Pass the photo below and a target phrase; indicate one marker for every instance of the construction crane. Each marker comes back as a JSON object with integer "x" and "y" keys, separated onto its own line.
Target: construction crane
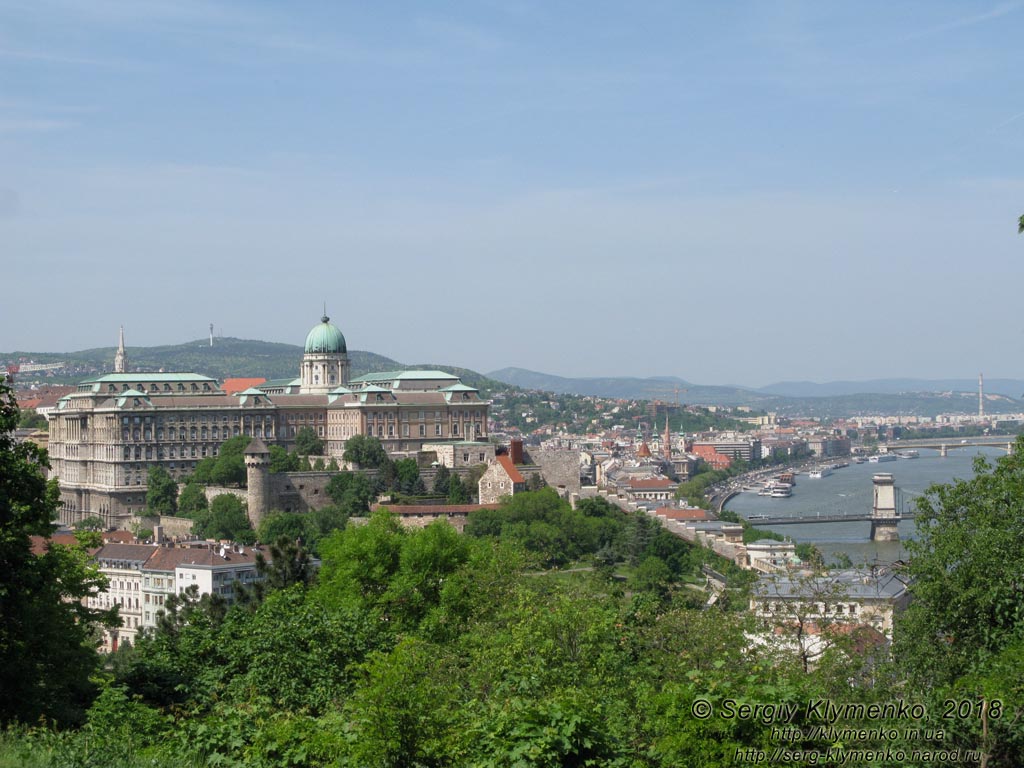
{"x": 652, "y": 409}
{"x": 674, "y": 392}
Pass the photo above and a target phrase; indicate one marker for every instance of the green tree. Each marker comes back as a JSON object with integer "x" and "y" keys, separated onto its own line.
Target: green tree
{"x": 810, "y": 554}
{"x": 442, "y": 479}
{"x": 45, "y": 657}
{"x": 359, "y": 562}
{"x": 225, "y": 519}
{"x": 307, "y": 443}
{"x": 365, "y": 452}
{"x": 226, "y": 468}
{"x": 283, "y": 461}
{"x": 91, "y": 523}
{"x": 192, "y": 499}
{"x": 351, "y": 492}
{"x": 31, "y": 420}
{"x": 967, "y": 575}
{"x": 161, "y": 491}
{"x": 289, "y": 565}
{"x": 1020, "y": 226}
{"x": 277, "y": 525}
{"x": 652, "y": 575}
{"x": 457, "y": 493}
{"x": 407, "y": 474}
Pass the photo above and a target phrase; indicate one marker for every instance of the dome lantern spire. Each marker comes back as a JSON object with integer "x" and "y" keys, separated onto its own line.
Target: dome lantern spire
{"x": 325, "y": 358}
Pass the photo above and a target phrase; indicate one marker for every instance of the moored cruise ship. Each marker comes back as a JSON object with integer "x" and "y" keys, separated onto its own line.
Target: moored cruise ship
{"x": 881, "y": 458}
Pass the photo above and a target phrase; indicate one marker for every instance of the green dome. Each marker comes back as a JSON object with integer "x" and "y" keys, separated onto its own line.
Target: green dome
{"x": 325, "y": 337}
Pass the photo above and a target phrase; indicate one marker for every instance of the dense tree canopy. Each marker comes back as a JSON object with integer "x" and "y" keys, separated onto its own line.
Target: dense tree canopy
{"x": 227, "y": 467}
{"x": 161, "y": 491}
{"x": 45, "y": 655}
{"x": 225, "y": 519}
{"x": 192, "y": 499}
{"x": 426, "y": 647}
{"x": 351, "y": 492}
{"x": 308, "y": 443}
{"x": 365, "y": 452}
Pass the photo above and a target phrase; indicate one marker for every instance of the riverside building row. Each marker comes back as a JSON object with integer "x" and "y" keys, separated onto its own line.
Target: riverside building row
{"x": 104, "y": 436}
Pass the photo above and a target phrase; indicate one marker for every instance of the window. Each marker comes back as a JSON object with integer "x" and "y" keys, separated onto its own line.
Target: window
{"x": 423, "y": 430}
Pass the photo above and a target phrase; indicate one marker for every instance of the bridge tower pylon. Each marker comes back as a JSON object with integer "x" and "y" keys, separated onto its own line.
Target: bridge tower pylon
{"x": 885, "y": 514}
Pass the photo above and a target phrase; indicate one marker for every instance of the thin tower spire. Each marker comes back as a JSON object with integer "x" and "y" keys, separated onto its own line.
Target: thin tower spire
{"x": 121, "y": 356}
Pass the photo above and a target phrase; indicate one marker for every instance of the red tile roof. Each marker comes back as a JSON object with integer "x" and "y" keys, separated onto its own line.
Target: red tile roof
{"x": 510, "y": 469}
{"x": 673, "y": 513}
{"x": 231, "y": 386}
{"x": 40, "y": 543}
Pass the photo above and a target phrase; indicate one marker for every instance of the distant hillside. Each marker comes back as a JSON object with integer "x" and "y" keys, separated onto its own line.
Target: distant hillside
{"x": 904, "y": 403}
{"x": 653, "y": 388}
{"x": 909, "y": 397}
{"x": 227, "y": 358}
{"x": 1009, "y": 387}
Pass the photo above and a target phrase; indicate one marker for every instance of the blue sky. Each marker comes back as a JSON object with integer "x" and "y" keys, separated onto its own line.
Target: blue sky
{"x": 729, "y": 192}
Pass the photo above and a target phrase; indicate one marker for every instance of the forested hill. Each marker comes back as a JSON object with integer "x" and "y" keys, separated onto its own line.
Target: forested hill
{"x": 227, "y": 358}
{"x": 633, "y": 388}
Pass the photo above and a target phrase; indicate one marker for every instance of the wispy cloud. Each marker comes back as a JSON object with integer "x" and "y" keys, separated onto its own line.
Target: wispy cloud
{"x": 54, "y": 57}
{"x": 998, "y": 11}
{"x": 459, "y": 34}
{"x": 32, "y": 125}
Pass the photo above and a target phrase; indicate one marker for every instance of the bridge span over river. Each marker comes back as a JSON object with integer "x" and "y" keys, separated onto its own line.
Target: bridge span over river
{"x": 945, "y": 444}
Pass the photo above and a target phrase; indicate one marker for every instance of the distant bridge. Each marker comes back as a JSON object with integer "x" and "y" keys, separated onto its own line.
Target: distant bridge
{"x": 942, "y": 445}
{"x": 803, "y": 519}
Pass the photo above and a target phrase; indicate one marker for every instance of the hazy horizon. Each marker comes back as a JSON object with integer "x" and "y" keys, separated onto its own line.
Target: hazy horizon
{"x": 202, "y": 342}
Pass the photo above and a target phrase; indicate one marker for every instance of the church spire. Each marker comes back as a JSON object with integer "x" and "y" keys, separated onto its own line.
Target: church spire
{"x": 121, "y": 358}
{"x": 666, "y": 448}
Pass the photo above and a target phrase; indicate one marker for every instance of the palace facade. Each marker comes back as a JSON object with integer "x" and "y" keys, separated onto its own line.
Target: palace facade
{"x": 106, "y": 435}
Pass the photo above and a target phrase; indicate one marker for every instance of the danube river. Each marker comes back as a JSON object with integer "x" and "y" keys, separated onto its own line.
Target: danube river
{"x": 849, "y": 491}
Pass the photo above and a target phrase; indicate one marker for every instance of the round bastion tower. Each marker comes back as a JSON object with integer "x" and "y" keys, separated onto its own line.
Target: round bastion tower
{"x": 257, "y": 472}
{"x": 324, "y": 360}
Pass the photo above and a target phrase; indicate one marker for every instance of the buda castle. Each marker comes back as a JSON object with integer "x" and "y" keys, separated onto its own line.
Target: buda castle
{"x": 106, "y": 435}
